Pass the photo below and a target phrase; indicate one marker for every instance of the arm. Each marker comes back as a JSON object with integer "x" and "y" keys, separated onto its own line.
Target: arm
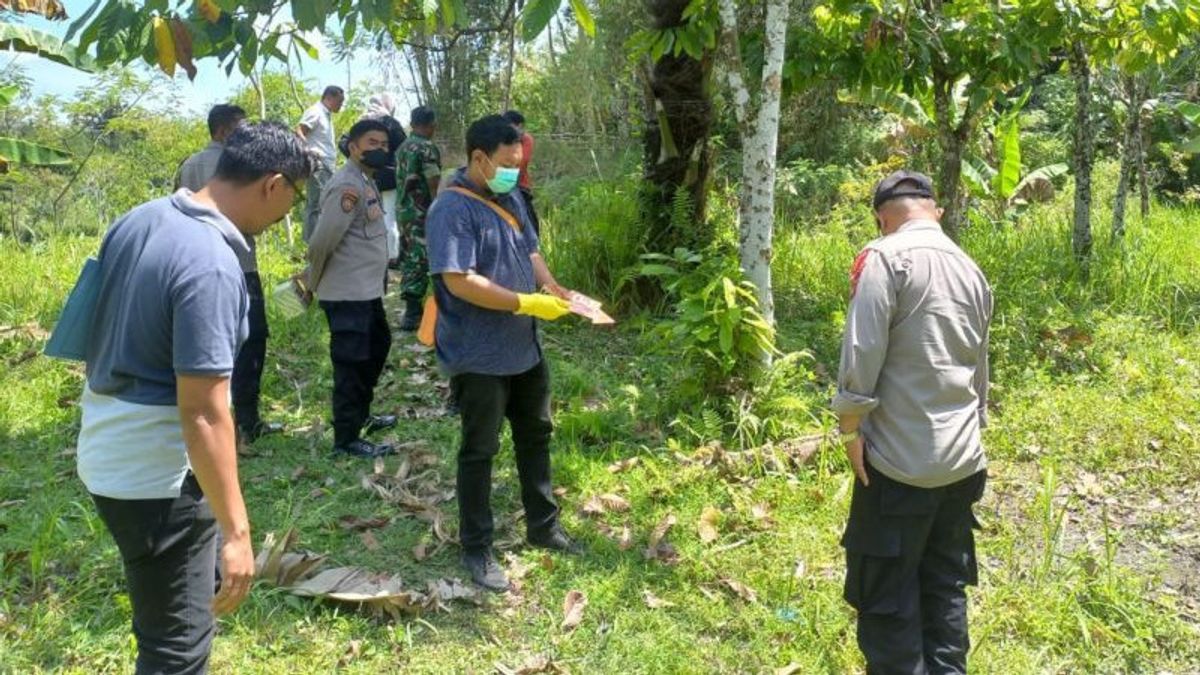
{"x": 982, "y": 376}
{"x": 302, "y": 130}
{"x": 480, "y": 291}
{"x": 332, "y": 224}
{"x": 208, "y": 432}
{"x": 433, "y": 171}
{"x": 864, "y": 349}
{"x": 545, "y": 279}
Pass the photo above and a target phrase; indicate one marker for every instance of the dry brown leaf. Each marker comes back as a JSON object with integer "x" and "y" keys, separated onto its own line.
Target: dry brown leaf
{"x": 538, "y": 663}
{"x": 741, "y": 590}
{"x": 573, "y": 605}
{"x": 600, "y": 504}
{"x": 420, "y": 551}
{"x": 560, "y": 491}
{"x": 298, "y": 473}
{"x": 661, "y": 529}
{"x": 349, "y": 522}
{"x": 710, "y": 517}
{"x": 547, "y": 562}
{"x": 655, "y": 602}
{"x": 369, "y": 540}
{"x": 625, "y": 539}
{"x": 789, "y": 669}
{"x": 352, "y": 652}
{"x": 624, "y": 465}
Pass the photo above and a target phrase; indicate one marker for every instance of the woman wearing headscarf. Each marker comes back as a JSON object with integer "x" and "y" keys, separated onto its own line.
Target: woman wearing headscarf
{"x": 383, "y": 108}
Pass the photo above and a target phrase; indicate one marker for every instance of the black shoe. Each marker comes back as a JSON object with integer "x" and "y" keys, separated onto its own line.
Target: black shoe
{"x": 367, "y": 449}
{"x": 413, "y": 311}
{"x": 485, "y": 571}
{"x": 253, "y": 432}
{"x": 379, "y": 423}
{"x": 555, "y": 539}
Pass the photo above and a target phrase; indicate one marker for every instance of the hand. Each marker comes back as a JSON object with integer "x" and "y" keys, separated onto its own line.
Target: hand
{"x": 300, "y": 281}
{"x": 854, "y": 452}
{"x": 554, "y": 288}
{"x": 237, "y": 574}
{"x": 542, "y": 306}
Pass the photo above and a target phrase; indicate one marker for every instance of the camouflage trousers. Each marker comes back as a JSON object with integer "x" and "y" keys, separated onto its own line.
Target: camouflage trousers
{"x": 414, "y": 263}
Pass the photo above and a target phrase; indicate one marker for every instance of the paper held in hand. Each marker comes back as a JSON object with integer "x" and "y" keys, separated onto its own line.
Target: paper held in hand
{"x": 589, "y": 309}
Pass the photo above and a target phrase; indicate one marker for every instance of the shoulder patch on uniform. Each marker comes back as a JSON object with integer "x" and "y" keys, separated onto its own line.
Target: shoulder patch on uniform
{"x": 349, "y": 199}
{"x": 860, "y": 261}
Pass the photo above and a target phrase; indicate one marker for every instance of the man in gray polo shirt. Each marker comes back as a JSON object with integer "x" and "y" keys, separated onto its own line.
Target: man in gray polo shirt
{"x": 156, "y": 442}
{"x": 912, "y": 397}
{"x": 486, "y": 267}
{"x": 246, "y": 384}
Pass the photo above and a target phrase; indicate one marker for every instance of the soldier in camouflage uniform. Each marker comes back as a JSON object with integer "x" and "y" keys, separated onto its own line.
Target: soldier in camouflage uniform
{"x": 418, "y": 168}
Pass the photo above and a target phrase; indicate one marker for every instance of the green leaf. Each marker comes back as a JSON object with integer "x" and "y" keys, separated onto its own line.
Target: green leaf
{"x": 1191, "y": 146}
{"x": 17, "y": 151}
{"x": 583, "y": 17}
{"x": 726, "y": 337}
{"x": 1008, "y": 173}
{"x": 897, "y": 103}
{"x": 8, "y": 93}
{"x": 79, "y": 23}
{"x": 536, "y": 17}
{"x": 306, "y": 46}
{"x": 46, "y": 46}
{"x": 1189, "y": 110}
{"x": 730, "y": 292}
{"x": 429, "y": 8}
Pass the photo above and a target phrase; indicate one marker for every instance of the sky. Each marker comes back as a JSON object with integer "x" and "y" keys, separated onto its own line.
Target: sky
{"x": 210, "y": 86}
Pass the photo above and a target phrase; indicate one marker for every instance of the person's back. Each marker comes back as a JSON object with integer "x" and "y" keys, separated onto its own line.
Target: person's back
{"x": 925, "y": 430}
{"x": 172, "y": 297}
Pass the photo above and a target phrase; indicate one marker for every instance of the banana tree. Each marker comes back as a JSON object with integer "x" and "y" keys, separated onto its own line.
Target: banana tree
{"x": 43, "y": 45}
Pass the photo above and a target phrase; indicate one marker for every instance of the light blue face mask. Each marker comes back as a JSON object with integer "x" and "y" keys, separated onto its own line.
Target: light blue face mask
{"x": 505, "y": 179}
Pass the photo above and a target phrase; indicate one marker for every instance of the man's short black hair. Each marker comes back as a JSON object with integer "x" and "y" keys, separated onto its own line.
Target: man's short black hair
{"x": 333, "y": 91}
{"x": 364, "y": 126}
{"x": 422, "y": 116}
{"x": 514, "y": 117}
{"x": 489, "y": 133}
{"x": 223, "y": 115}
{"x": 263, "y": 148}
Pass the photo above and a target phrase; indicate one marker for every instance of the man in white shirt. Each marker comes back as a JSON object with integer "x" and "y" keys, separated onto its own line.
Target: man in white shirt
{"x": 316, "y": 128}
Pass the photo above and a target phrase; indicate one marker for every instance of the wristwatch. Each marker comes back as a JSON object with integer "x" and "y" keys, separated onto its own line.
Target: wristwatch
{"x": 848, "y": 436}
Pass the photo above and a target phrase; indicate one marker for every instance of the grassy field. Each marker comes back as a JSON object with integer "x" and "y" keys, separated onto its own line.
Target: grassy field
{"x": 1089, "y": 555}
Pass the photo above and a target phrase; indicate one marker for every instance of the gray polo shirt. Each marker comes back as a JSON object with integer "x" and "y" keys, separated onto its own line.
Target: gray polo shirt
{"x": 172, "y": 301}
{"x": 464, "y": 235}
{"x": 914, "y": 356}
{"x": 194, "y": 174}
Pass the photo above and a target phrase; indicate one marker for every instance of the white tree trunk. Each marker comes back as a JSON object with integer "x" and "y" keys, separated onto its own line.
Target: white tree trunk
{"x": 760, "y": 140}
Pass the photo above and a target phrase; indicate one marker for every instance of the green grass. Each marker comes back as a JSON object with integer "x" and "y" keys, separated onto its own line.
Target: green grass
{"x": 1074, "y": 577}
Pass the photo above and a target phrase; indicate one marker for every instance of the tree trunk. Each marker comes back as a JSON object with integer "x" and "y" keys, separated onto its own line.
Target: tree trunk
{"x": 550, "y": 45}
{"x": 760, "y": 140}
{"x": 512, "y": 57}
{"x": 675, "y": 143}
{"x": 952, "y": 138}
{"x": 1143, "y": 172}
{"x": 1129, "y": 152}
{"x": 1081, "y": 160}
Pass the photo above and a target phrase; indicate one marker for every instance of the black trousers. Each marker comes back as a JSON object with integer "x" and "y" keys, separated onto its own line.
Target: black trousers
{"x": 484, "y": 402}
{"x": 169, "y": 548}
{"x": 910, "y": 554}
{"x": 246, "y": 384}
{"x": 359, "y": 341}
{"x": 533, "y": 216}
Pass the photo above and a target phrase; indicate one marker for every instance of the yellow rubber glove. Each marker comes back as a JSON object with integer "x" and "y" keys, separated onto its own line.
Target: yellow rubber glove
{"x": 542, "y": 305}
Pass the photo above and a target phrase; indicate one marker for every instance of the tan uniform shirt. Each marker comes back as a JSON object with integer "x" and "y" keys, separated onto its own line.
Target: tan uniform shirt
{"x": 347, "y": 253}
{"x": 914, "y": 357}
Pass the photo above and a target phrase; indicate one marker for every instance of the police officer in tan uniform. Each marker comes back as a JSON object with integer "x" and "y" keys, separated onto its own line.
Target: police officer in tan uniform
{"x": 348, "y": 257}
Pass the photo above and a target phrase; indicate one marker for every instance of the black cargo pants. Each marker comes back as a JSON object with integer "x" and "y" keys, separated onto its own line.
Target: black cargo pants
{"x": 910, "y": 554}
{"x": 246, "y": 384}
{"x": 359, "y": 341}
{"x": 484, "y": 402}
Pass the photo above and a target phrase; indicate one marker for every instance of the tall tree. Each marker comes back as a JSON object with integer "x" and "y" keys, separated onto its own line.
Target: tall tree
{"x": 758, "y": 120}
{"x": 961, "y": 56}
{"x": 679, "y": 114}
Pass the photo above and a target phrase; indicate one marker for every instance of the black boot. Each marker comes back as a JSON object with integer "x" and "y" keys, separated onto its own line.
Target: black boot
{"x": 412, "y": 315}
